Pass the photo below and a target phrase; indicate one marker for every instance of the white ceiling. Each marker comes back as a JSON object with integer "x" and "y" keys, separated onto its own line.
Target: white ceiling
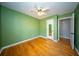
{"x": 55, "y": 8}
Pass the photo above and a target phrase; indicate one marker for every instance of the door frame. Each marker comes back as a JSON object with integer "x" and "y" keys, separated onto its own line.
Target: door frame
{"x": 72, "y": 17}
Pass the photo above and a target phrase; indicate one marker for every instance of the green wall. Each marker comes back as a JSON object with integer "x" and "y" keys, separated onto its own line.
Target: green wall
{"x": 77, "y": 27}
{"x": 0, "y": 27}
{"x": 17, "y": 26}
{"x": 65, "y": 15}
{"x": 43, "y": 28}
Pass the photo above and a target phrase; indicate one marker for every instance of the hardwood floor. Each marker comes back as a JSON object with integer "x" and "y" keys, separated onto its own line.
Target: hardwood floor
{"x": 41, "y": 47}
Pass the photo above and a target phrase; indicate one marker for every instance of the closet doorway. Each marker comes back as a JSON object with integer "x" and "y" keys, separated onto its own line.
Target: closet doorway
{"x": 66, "y": 29}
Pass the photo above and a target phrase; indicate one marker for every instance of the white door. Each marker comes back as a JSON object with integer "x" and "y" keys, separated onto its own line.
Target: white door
{"x": 72, "y": 31}
{"x": 50, "y": 29}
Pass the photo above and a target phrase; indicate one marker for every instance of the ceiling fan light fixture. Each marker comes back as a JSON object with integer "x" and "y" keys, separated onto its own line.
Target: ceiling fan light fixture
{"x": 40, "y": 13}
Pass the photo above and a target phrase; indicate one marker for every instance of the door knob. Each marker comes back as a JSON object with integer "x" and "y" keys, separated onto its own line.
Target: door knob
{"x": 71, "y": 33}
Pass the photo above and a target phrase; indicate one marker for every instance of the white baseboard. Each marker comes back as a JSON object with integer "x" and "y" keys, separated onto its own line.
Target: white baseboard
{"x": 49, "y": 38}
{"x": 77, "y": 50}
{"x": 23, "y": 42}
{"x": 16, "y": 43}
{"x": 56, "y": 41}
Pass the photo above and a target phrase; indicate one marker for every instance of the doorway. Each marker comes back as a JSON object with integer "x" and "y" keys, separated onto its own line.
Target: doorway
{"x": 50, "y": 29}
{"x": 66, "y": 29}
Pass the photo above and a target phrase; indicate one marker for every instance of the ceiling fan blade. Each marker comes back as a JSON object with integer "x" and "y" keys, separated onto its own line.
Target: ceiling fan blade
{"x": 45, "y": 9}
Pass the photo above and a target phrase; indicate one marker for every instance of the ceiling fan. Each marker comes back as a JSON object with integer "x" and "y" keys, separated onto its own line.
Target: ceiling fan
{"x": 40, "y": 11}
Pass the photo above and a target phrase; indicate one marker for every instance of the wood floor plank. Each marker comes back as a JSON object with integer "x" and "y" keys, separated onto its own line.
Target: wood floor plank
{"x": 41, "y": 47}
